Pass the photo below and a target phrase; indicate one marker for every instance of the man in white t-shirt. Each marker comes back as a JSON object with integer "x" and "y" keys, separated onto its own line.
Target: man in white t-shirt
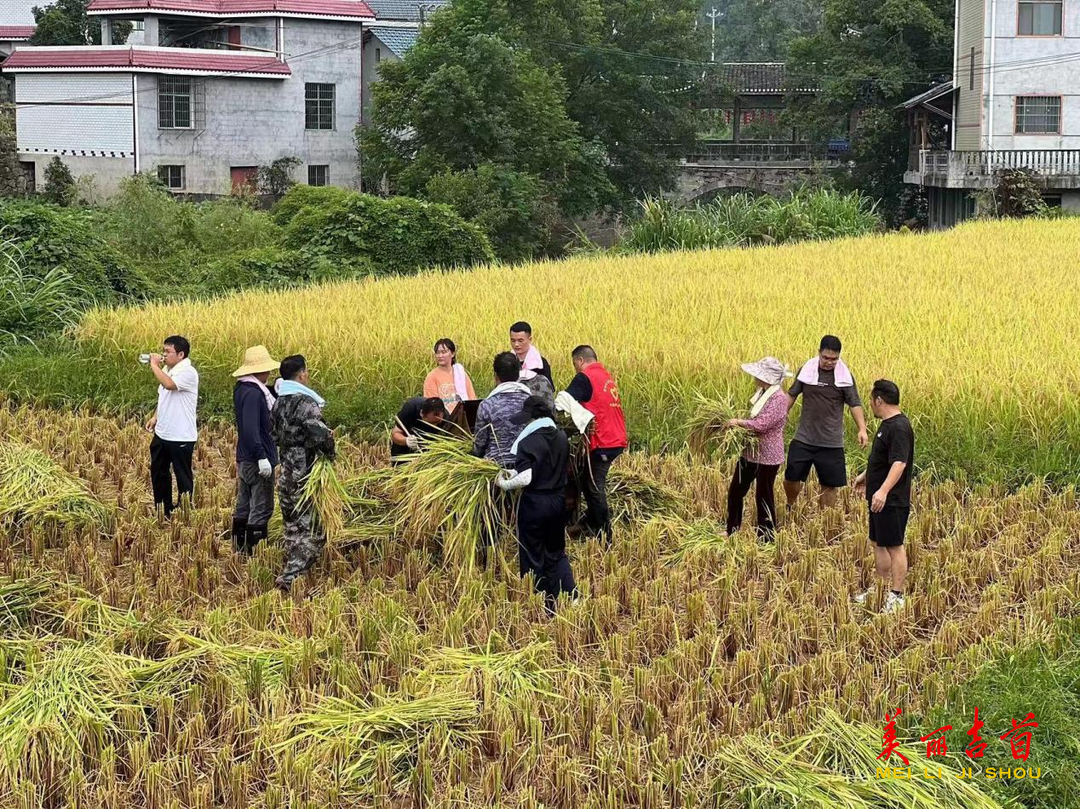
{"x": 173, "y": 423}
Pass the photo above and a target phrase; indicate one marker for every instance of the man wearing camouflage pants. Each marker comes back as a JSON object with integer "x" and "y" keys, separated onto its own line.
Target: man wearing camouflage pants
{"x": 301, "y": 435}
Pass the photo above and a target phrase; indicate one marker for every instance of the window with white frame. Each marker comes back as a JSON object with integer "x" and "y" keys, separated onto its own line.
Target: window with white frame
{"x": 318, "y": 175}
{"x": 172, "y": 177}
{"x": 318, "y": 106}
{"x": 175, "y": 102}
{"x": 1038, "y": 115}
{"x": 1039, "y": 18}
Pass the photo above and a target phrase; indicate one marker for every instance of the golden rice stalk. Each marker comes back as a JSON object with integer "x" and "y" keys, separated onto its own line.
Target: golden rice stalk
{"x": 354, "y": 733}
{"x": 447, "y": 492}
{"x": 635, "y": 496}
{"x": 323, "y": 491}
{"x": 507, "y": 675}
{"x": 693, "y": 540}
{"x": 706, "y": 436}
{"x": 35, "y": 487}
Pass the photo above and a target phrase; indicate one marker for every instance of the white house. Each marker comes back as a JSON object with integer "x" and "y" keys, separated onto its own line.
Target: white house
{"x": 221, "y": 88}
{"x": 1013, "y": 102}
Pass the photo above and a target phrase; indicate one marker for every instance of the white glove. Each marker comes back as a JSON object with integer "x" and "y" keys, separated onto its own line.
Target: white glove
{"x": 508, "y": 481}
{"x": 265, "y": 469}
{"x": 412, "y": 443}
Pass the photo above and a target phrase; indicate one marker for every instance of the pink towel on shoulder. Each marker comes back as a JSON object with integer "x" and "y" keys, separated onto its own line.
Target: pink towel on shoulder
{"x": 533, "y": 362}
{"x": 842, "y": 375}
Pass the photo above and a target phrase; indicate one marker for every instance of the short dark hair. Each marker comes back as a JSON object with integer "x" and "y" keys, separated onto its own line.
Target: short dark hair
{"x": 180, "y": 345}
{"x": 433, "y": 404}
{"x": 291, "y": 366}
{"x": 583, "y": 352}
{"x": 830, "y": 343}
{"x": 521, "y": 326}
{"x": 507, "y": 367}
{"x": 887, "y": 391}
{"x": 448, "y": 343}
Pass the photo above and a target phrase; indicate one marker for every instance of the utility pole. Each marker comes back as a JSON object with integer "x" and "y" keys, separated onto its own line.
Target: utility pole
{"x": 713, "y": 15}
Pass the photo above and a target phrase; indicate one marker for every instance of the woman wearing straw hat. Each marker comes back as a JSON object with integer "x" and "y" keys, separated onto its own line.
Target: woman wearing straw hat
{"x": 256, "y": 455}
{"x": 760, "y": 464}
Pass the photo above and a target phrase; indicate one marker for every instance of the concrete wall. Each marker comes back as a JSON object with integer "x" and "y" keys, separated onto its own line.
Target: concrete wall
{"x": 251, "y": 122}
{"x": 1060, "y": 77}
{"x": 969, "y": 101}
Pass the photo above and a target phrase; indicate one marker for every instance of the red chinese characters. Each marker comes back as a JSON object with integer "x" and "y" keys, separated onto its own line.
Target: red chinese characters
{"x": 936, "y": 745}
{"x": 976, "y": 750}
{"x": 889, "y": 737}
{"x": 1021, "y": 742}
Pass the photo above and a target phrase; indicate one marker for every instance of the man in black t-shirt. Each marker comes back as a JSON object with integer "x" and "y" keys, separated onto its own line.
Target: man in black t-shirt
{"x": 887, "y": 482}
{"x": 419, "y": 418}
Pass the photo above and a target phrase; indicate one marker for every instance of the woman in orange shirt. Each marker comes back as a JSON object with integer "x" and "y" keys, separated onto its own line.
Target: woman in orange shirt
{"x": 448, "y": 380}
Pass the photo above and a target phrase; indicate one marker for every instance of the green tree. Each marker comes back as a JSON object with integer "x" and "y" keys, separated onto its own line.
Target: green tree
{"x": 65, "y": 23}
{"x": 867, "y": 58}
{"x": 463, "y": 98}
{"x": 59, "y": 184}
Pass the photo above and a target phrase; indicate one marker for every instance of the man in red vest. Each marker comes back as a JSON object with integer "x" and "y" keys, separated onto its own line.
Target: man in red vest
{"x": 596, "y": 390}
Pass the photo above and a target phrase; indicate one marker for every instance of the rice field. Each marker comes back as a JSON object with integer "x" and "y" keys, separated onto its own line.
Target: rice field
{"x": 973, "y": 324}
{"x": 144, "y": 664}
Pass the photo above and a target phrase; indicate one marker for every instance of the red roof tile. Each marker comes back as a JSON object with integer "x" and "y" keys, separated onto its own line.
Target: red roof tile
{"x": 10, "y": 32}
{"x": 148, "y": 60}
{"x": 312, "y": 8}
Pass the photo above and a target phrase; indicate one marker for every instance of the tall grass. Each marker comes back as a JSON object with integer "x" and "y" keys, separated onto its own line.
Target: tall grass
{"x": 743, "y": 220}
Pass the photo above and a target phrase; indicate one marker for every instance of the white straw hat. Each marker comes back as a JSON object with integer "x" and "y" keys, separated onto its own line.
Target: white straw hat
{"x": 768, "y": 369}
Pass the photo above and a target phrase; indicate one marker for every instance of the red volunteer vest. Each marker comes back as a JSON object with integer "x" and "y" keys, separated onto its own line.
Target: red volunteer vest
{"x": 610, "y": 431}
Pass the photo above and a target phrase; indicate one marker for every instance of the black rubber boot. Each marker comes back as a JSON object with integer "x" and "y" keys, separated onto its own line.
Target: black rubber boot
{"x": 238, "y": 529}
{"x": 252, "y": 537}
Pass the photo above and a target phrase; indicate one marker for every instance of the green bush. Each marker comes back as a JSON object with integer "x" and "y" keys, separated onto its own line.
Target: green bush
{"x": 51, "y": 237}
{"x": 274, "y": 266}
{"x": 397, "y": 235}
{"x": 743, "y": 219}
{"x": 59, "y": 184}
{"x": 509, "y": 206}
{"x": 301, "y": 197}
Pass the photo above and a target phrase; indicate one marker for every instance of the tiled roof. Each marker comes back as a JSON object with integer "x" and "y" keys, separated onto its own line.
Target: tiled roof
{"x": 763, "y": 78}
{"x": 14, "y": 32}
{"x": 397, "y": 40}
{"x": 405, "y": 10}
{"x": 143, "y": 60}
{"x": 350, "y": 9}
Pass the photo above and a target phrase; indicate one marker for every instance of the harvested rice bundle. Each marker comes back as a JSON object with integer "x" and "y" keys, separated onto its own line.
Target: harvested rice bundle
{"x": 35, "y": 487}
{"x": 356, "y": 734}
{"x": 635, "y": 496}
{"x": 448, "y": 492}
{"x": 505, "y": 675}
{"x": 706, "y": 436}
{"x": 324, "y": 491}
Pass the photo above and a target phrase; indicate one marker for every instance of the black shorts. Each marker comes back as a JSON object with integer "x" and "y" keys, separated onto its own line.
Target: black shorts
{"x": 827, "y": 461}
{"x": 888, "y": 525}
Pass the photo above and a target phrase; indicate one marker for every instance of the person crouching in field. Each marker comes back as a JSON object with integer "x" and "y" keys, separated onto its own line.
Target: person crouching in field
{"x": 301, "y": 436}
{"x": 887, "y": 482}
{"x": 768, "y": 414}
{"x": 256, "y": 455}
{"x": 542, "y": 453}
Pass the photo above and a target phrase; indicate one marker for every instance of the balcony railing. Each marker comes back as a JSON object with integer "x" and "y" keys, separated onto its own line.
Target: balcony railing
{"x": 1042, "y": 162}
{"x": 715, "y": 152}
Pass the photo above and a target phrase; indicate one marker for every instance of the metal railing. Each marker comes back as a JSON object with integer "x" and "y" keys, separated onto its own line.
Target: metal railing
{"x": 716, "y": 152}
{"x": 1042, "y": 162}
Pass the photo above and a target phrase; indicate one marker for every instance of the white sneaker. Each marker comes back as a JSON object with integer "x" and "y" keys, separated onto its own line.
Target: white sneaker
{"x": 860, "y": 598}
{"x": 893, "y": 603}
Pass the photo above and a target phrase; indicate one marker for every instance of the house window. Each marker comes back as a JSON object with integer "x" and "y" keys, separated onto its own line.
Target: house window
{"x": 318, "y": 106}
{"x": 1040, "y": 18}
{"x": 172, "y": 176}
{"x": 1038, "y": 115}
{"x": 378, "y": 55}
{"x": 318, "y": 175}
{"x": 174, "y": 102}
